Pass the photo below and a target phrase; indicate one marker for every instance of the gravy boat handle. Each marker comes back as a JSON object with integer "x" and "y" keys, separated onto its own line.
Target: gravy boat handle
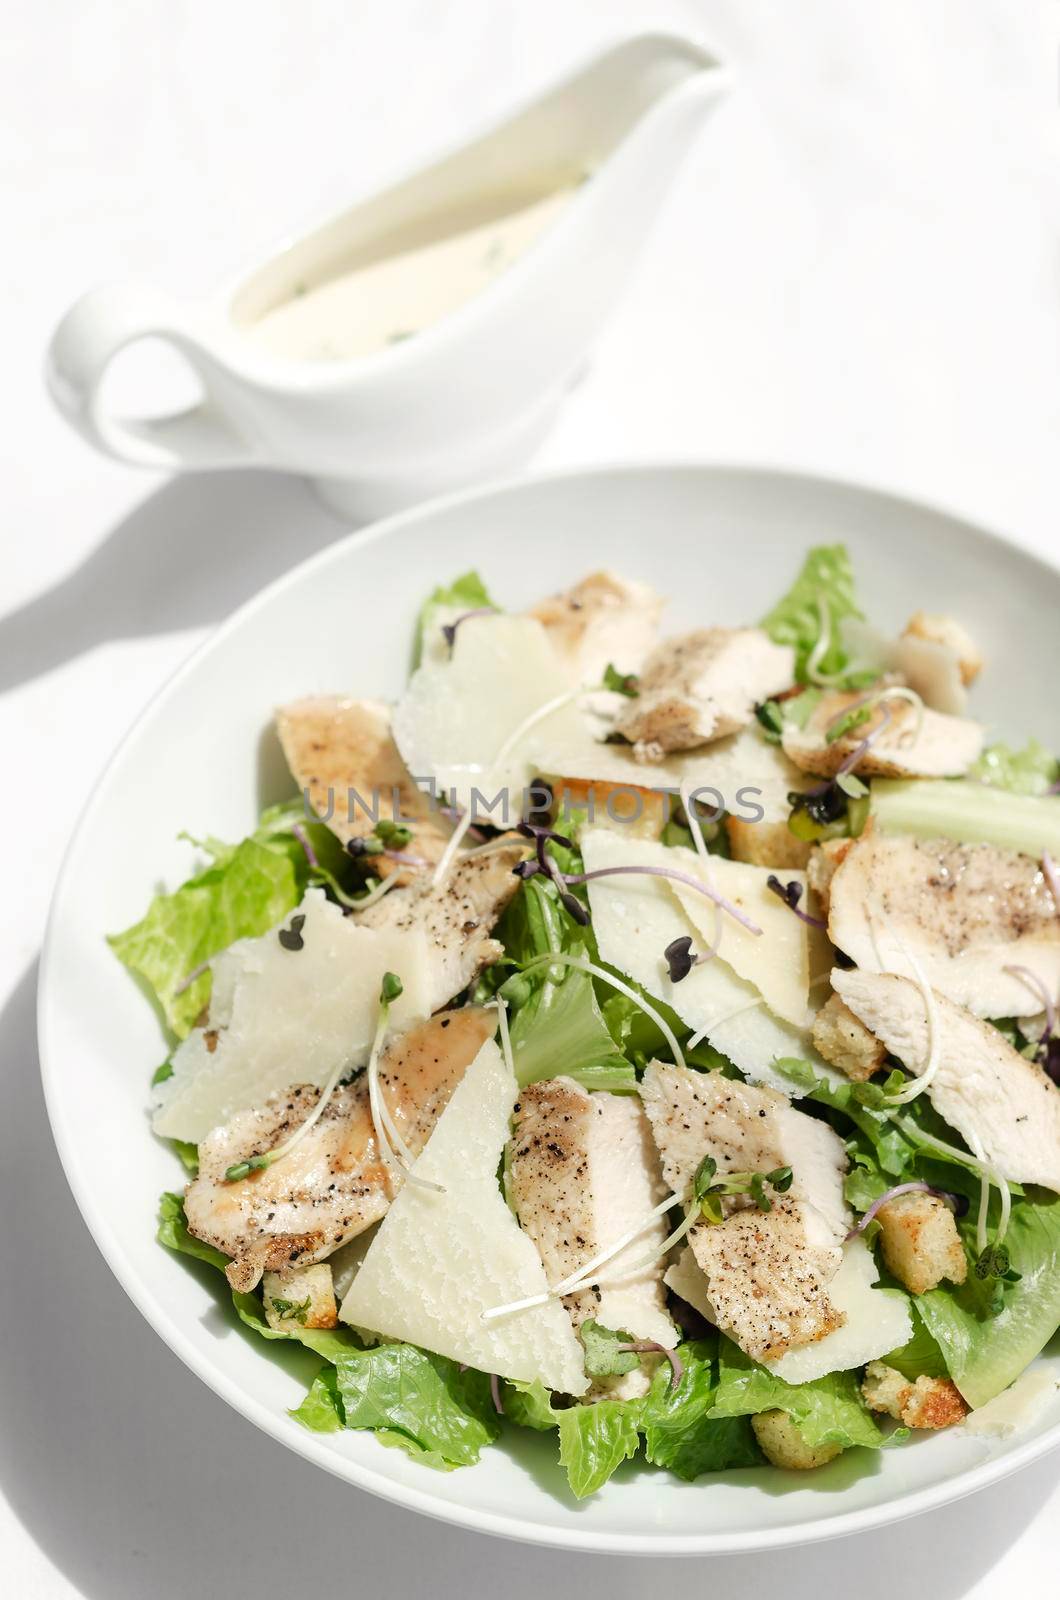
{"x": 99, "y": 325}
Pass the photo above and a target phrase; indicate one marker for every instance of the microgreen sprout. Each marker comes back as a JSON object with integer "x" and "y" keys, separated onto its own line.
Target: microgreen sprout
{"x": 291, "y": 937}
{"x": 449, "y": 629}
{"x": 708, "y": 1189}
{"x": 791, "y": 894}
{"x": 364, "y": 844}
{"x": 957, "y": 1202}
{"x": 626, "y": 683}
{"x": 394, "y": 835}
{"x": 307, "y": 845}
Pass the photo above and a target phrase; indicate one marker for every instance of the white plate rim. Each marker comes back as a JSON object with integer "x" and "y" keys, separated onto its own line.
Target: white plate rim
{"x": 304, "y": 1443}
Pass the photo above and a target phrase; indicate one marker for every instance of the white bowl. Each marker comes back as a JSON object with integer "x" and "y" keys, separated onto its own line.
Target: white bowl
{"x": 723, "y": 543}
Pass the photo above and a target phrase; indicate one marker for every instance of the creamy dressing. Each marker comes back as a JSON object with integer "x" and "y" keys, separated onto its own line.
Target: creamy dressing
{"x": 382, "y": 302}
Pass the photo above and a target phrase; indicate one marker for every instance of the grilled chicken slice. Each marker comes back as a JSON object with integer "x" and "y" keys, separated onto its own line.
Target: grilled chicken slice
{"x": 701, "y": 686}
{"x": 456, "y": 916}
{"x": 334, "y": 1183}
{"x": 583, "y": 1170}
{"x": 604, "y": 620}
{"x": 344, "y": 760}
{"x": 767, "y": 1272}
{"x": 984, "y": 1088}
{"x": 945, "y": 746}
{"x": 965, "y": 912}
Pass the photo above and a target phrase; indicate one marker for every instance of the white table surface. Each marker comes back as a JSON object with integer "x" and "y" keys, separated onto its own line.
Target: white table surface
{"x": 858, "y": 272}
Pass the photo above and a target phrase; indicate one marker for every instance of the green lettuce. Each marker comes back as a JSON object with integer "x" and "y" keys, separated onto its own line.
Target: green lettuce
{"x": 828, "y": 1410}
{"x": 970, "y": 813}
{"x": 826, "y": 580}
{"x": 241, "y": 895}
{"x": 321, "y": 1410}
{"x": 985, "y": 1350}
{"x": 468, "y": 592}
{"x": 422, "y": 1402}
{"x": 676, "y": 1422}
{"x": 1032, "y": 770}
{"x": 560, "y": 1028}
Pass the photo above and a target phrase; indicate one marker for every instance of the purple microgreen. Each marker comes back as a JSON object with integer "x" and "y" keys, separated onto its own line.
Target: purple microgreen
{"x": 196, "y": 972}
{"x": 677, "y": 877}
{"x": 306, "y": 843}
{"x": 679, "y": 958}
{"x": 291, "y": 937}
{"x": 791, "y": 894}
{"x": 650, "y": 1347}
{"x": 959, "y": 1203}
{"x": 449, "y": 629}
{"x": 495, "y": 1394}
{"x": 364, "y": 845}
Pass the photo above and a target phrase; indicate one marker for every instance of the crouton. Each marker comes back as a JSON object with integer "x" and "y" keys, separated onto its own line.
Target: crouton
{"x": 301, "y": 1297}
{"x": 947, "y": 631}
{"x": 921, "y": 1245}
{"x": 783, "y": 1445}
{"x": 845, "y": 1042}
{"x": 824, "y": 859}
{"x": 766, "y": 844}
{"x": 928, "y": 1403}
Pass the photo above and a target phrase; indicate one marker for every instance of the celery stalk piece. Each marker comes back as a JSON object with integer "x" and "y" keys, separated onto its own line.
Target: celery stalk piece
{"x": 970, "y": 813}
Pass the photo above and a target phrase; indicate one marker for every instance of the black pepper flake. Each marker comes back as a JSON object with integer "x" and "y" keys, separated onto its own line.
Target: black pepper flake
{"x": 291, "y": 938}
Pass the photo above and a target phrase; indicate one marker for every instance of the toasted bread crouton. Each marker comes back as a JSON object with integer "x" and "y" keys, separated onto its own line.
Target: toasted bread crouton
{"x": 783, "y": 1445}
{"x": 921, "y": 1245}
{"x": 928, "y": 1403}
{"x": 845, "y": 1042}
{"x": 948, "y": 632}
{"x": 821, "y": 866}
{"x": 766, "y": 844}
{"x": 301, "y": 1297}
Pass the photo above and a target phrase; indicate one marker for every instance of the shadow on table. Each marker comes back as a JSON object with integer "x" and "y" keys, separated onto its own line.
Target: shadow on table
{"x": 134, "y": 1480}
{"x": 183, "y": 558}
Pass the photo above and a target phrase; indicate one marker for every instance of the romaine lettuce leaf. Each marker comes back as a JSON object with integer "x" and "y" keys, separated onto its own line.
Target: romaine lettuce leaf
{"x": 418, "y": 1399}
{"x": 984, "y": 1353}
{"x": 242, "y": 895}
{"x": 826, "y": 580}
{"x": 321, "y": 1410}
{"x": 829, "y": 1410}
{"x": 468, "y": 592}
{"x": 560, "y": 1029}
{"x": 595, "y": 1440}
{"x": 679, "y": 1431}
{"x": 1032, "y": 770}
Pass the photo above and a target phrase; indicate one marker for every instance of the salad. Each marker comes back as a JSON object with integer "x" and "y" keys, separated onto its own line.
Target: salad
{"x": 648, "y": 1040}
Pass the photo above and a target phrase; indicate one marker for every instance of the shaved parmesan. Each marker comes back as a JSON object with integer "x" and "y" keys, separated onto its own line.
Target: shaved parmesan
{"x": 440, "y": 1260}
{"x": 1016, "y": 1407}
{"x": 280, "y": 1016}
{"x": 635, "y": 919}
{"x": 775, "y": 961}
{"x": 459, "y": 712}
{"x": 877, "y": 1321}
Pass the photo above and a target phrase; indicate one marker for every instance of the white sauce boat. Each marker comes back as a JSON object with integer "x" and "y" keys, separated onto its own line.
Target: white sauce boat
{"x": 304, "y": 363}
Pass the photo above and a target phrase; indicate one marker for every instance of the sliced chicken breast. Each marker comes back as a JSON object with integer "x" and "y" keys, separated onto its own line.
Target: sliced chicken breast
{"x": 984, "y": 1088}
{"x": 456, "y": 917}
{"x": 334, "y": 1183}
{"x": 604, "y": 620}
{"x": 767, "y": 1272}
{"x": 583, "y": 1170}
{"x": 344, "y": 760}
{"x": 964, "y": 911}
{"x": 701, "y": 686}
{"x": 944, "y": 747}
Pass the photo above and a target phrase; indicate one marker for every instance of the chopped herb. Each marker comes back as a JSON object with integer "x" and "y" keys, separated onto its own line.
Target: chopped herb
{"x": 626, "y": 683}
{"x": 606, "y": 1350}
{"x": 290, "y": 1310}
{"x": 291, "y": 937}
